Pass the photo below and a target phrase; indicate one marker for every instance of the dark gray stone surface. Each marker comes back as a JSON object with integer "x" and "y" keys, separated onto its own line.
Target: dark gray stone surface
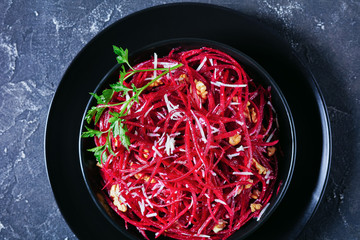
{"x": 38, "y": 40}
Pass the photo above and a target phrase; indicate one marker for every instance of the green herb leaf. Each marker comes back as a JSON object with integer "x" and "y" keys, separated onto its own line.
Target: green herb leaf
{"x": 122, "y": 55}
{"x": 119, "y": 87}
{"x": 118, "y": 128}
{"x": 107, "y": 95}
{"x": 103, "y": 99}
{"x": 115, "y": 118}
{"x": 117, "y": 50}
{"x": 98, "y": 114}
{"x": 122, "y": 74}
{"x": 99, "y": 99}
{"x": 108, "y": 145}
{"x": 125, "y": 140}
{"x": 136, "y": 91}
{"x": 91, "y": 133}
{"x": 99, "y": 152}
{"x": 90, "y": 114}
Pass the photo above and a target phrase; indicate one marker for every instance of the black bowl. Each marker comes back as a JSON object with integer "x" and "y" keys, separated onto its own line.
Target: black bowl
{"x": 287, "y": 137}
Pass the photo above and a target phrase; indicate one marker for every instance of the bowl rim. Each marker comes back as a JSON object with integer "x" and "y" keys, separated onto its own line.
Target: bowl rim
{"x": 249, "y": 61}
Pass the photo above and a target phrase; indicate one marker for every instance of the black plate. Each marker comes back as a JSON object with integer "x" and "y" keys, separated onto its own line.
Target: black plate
{"x": 201, "y": 21}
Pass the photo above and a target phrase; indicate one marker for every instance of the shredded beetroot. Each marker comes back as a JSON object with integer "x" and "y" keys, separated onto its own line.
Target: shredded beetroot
{"x": 202, "y": 160}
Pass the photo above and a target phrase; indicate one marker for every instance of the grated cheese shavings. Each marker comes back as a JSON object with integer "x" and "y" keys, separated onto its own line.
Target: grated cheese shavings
{"x": 156, "y": 152}
{"x": 140, "y": 109}
{"x": 169, "y": 145}
{"x": 150, "y": 215}
{"x": 203, "y": 138}
{"x": 235, "y": 103}
{"x": 219, "y": 84}
{"x": 262, "y": 212}
{"x": 142, "y": 206}
{"x": 156, "y": 129}
{"x": 145, "y": 115}
{"x": 214, "y": 130}
{"x": 202, "y": 235}
{"x": 230, "y": 156}
{"x": 155, "y": 64}
{"x": 240, "y": 149}
{"x": 153, "y": 135}
{"x": 220, "y": 201}
{"x": 211, "y": 62}
{"x": 201, "y": 64}
{"x": 242, "y": 173}
{"x": 171, "y": 107}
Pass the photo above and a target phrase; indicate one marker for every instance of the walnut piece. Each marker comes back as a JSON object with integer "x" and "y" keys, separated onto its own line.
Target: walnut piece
{"x": 255, "y": 206}
{"x": 253, "y": 115}
{"x": 201, "y": 89}
{"x": 239, "y": 190}
{"x": 156, "y": 83}
{"x": 146, "y": 178}
{"x": 234, "y": 140}
{"x": 146, "y": 153}
{"x": 182, "y": 77}
{"x": 255, "y": 194}
{"x": 219, "y": 226}
{"x": 271, "y": 151}
{"x": 247, "y": 111}
{"x": 138, "y": 175}
{"x": 247, "y": 186}
{"x": 261, "y": 169}
{"x": 114, "y": 193}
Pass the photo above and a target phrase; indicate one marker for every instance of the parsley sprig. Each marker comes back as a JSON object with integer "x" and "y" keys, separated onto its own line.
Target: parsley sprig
{"x": 117, "y": 126}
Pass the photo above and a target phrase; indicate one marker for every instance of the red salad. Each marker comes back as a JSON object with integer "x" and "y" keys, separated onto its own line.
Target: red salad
{"x": 186, "y": 144}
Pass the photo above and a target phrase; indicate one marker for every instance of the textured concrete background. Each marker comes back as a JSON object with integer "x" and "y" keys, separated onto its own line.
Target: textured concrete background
{"x": 38, "y": 40}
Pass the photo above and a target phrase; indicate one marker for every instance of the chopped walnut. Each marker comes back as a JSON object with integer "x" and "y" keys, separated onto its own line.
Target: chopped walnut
{"x": 234, "y": 140}
{"x": 146, "y": 153}
{"x": 219, "y": 226}
{"x": 255, "y": 194}
{"x": 247, "y": 111}
{"x": 240, "y": 188}
{"x": 271, "y": 151}
{"x": 255, "y": 206}
{"x": 114, "y": 193}
{"x": 182, "y": 77}
{"x": 261, "y": 169}
{"x": 253, "y": 115}
{"x": 146, "y": 178}
{"x": 247, "y": 186}
{"x": 114, "y": 190}
{"x": 138, "y": 175}
{"x": 156, "y": 83}
{"x": 201, "y": 89}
